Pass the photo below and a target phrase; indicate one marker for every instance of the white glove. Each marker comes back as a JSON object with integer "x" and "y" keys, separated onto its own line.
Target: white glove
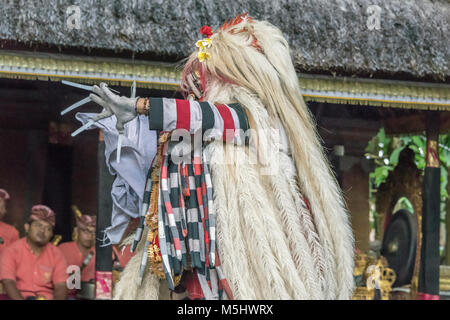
{"x": 122, "y": 107}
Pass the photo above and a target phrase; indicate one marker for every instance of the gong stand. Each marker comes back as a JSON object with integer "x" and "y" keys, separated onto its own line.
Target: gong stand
{"x": 404, "y": 231}
{"x": 430, "y": 258}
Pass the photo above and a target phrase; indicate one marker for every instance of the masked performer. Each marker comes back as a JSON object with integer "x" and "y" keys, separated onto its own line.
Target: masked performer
{"x": 233, "y": 227}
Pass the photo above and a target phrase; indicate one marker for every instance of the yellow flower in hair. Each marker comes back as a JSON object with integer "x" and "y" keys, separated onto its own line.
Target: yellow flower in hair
{"x": 202, "y": 55}
{"x": 204, "y": 43}
{"x": 199, "y": 44}
{"x": 207, "y": 42}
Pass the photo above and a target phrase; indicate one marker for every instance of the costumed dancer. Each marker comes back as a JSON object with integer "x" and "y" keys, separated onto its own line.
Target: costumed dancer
{"x": 234, "y": 228}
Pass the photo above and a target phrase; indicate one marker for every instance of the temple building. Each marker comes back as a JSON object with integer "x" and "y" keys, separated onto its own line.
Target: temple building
{"x": 362, "y": 65}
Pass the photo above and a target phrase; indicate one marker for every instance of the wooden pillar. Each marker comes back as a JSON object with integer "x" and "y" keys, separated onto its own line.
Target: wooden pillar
{"x": 355, "y": 183}
{"x": 429, "y": 267}
{"x": 447, "y": 228}
{"x": 103, "y": 258}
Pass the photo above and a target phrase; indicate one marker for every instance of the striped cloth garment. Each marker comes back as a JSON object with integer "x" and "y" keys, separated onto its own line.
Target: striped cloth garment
{"x": 186, "y": 216}
{"x": 229, "y": 122}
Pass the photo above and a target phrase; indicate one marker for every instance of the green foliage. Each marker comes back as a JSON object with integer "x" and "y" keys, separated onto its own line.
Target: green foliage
{"x": 385, "y": 152}
{"x": 380, "y": 174}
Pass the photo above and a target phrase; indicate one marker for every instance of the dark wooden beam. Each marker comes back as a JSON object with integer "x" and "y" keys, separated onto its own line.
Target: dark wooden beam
{"x": 353, "y": 133}
{"x": 414, "y": 123}
{"x": 103, "y": 258}
{"x": 430, "y": 254}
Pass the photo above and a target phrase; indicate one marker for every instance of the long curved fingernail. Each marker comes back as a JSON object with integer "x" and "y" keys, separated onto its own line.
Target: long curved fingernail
{"x": 77, "y": 85}
{"x": 76, "y": 105}
{"x": 82, "y": 128}
{"x": 119, "y": 146}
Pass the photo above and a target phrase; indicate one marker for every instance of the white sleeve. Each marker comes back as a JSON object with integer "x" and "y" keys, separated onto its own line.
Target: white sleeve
{"x": 138, "y": 151}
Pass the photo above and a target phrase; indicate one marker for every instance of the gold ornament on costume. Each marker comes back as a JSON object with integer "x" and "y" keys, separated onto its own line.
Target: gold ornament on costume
{"x": 151, "y": 218}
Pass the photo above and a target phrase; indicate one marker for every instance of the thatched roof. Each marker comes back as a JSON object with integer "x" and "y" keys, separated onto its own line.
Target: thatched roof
{"x": 325, "y": 35}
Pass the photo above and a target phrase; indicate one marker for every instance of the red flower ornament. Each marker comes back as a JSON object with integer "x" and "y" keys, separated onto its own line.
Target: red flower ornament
{"x": 206, "y": 31}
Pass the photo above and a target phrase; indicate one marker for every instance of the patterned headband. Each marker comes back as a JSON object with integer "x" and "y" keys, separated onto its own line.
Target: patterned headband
{"x": 86, "y": 221}
{"x": 41, "y": 212}
{"x": 4, "y": 194}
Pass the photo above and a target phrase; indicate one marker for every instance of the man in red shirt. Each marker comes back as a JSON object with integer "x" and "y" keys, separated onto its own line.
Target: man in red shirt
{"x": 32, "y": 267}
{"x": 8, "y": 234}
{"x": 81, "y": 252}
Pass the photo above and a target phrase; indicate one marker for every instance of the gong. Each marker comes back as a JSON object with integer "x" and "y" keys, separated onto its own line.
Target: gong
{"x": 399, "y": 246}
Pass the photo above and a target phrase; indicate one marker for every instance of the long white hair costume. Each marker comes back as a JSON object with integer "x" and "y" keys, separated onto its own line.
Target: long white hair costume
{"x": 272, "y": 245}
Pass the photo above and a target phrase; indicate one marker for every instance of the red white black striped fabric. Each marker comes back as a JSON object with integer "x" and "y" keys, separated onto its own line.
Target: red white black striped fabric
{"x": 186, "y": 215}
{"x": 228, "y": 122}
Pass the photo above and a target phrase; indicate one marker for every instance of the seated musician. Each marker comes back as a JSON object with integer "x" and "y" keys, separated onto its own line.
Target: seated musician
{"x": 32, "y": 267}
{"x": 8, "y": 234}
{"x": 81, "y": 252}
